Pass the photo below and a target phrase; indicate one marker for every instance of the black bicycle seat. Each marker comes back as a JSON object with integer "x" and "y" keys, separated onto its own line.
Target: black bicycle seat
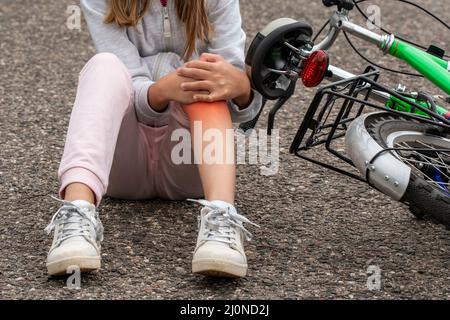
{"x": 269, "y": 53}
{"x": 341, "y": 4}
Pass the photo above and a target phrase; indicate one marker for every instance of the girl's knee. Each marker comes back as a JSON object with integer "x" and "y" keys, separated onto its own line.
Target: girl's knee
{"x": 111, "y": 69}
{"x": 106, "y": 59}
{"x": 207, "y": 111}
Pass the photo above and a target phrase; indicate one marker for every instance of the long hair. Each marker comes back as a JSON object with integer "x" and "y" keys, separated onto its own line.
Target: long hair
{"x": 127, "y": 13}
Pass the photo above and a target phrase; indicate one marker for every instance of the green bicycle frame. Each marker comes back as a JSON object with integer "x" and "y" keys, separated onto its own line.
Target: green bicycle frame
{"x": 400, "y": 105}
{"x": 435, "y": 69}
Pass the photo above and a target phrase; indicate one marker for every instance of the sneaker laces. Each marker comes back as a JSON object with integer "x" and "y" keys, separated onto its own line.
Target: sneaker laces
{"x": 75, "y": 222}
{"x": 218, "y": 223}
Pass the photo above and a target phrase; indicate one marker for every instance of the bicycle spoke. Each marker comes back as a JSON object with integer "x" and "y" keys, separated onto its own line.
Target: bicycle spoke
{"x": 422, "y": 162}
{"x": 431, "y": 148}
{"x": 444, "y": 164}
{"x": 438, "y": 162}
{"x": 412, "y": 164}
{"x": 430, "y": 180}
{"x": 432, "y": 160}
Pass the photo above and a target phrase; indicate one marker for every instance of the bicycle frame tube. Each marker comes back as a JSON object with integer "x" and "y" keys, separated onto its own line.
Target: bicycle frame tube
{"x": 431, "y": 67}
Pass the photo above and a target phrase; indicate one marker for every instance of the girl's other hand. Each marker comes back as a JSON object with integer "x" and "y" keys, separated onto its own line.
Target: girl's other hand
{"x": 218, "y": 78}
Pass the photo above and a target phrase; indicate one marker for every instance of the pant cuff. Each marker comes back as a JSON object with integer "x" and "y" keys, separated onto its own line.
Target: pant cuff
{"x": 85, "y": 176}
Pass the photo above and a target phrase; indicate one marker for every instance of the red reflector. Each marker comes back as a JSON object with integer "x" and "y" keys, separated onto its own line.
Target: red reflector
{"x": 315, "y": 68}
{"x": 447, "y": 115}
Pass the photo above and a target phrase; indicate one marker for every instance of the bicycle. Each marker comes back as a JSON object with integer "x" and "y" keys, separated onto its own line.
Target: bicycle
{"x": 398, "y": 141}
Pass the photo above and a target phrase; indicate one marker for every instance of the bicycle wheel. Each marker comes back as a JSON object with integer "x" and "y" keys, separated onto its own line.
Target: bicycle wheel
{"x": 422, "y": 147}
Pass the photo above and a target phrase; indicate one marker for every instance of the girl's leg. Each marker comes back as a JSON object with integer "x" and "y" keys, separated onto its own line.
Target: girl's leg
{"x": 102, "y": 109}
{"x": 218, "y": 179}
{"x": 219, "y": 250}
{"x": 104, "y": 94}
{"x": 79, "y": 191}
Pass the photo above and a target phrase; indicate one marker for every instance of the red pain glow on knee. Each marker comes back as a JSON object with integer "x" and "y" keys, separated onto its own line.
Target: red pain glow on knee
{"x": 207, "y": 111}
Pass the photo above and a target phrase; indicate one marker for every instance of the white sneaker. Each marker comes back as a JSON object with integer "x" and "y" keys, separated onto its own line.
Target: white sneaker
{"x": 220, "y": 247}
{"x": 78, "y": 233}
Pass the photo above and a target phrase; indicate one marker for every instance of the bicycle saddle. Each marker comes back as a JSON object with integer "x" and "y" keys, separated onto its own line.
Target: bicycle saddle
{"x": 341, "y": 4}
{"x": 272, "y": 56}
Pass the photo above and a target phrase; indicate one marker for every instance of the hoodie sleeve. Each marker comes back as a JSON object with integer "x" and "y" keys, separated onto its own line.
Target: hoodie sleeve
{"x": 113, "y": 39}
{"x": 229, "y": 42}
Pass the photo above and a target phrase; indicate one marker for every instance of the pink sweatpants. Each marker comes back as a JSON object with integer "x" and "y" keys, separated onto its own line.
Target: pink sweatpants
{"x": 110, "y": 151}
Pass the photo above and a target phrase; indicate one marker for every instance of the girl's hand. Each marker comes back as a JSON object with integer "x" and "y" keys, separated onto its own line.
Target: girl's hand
{"x": 221, "y": 79}
{"x": 168, "y": 89}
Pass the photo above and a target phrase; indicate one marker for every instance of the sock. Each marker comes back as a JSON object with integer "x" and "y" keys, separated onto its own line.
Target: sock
{"x": 82, "y": 204}
{"x": 224, "y": 205}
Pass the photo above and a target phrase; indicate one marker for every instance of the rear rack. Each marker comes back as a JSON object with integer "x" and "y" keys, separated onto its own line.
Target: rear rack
{"x": 336, "y": 106}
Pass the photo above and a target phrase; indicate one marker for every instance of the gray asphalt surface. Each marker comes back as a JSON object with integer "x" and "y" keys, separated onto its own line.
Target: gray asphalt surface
{"x": 320, "y": 231}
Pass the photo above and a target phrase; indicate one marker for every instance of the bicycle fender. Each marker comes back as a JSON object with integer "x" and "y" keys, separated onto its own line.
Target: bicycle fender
{"x": 383, "y": 170}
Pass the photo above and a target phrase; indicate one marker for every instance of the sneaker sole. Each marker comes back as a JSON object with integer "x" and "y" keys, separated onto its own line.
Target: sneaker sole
{"x": 86, "y": 264}
{"x": 219, "y": 268}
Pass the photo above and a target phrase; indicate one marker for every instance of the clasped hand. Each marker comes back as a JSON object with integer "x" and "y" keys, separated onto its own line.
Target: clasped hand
{"x": 212, "y": 78}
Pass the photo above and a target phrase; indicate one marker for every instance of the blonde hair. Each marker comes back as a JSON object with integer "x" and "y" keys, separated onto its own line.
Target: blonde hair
{"x": 127, "y": 13}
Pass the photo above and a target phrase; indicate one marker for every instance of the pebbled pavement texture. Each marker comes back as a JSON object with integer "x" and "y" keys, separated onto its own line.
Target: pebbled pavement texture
{"x": 319, "y": 231}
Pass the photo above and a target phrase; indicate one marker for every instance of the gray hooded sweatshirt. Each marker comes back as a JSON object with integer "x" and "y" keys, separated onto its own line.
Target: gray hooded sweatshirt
{"x": 153, "y": 49}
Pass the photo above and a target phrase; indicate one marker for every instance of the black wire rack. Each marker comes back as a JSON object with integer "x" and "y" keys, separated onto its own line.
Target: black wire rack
{"x": 336, "y": 106}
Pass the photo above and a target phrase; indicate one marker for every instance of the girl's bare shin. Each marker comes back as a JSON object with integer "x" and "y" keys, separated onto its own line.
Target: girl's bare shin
{"x": 218, "y": 178}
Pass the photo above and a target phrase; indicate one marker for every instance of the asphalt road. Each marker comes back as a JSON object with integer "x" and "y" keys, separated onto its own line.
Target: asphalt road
{"x": 319, "y": 231}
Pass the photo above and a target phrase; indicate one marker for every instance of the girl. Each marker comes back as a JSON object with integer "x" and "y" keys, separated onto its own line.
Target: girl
{"x": 162, "y": 65}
